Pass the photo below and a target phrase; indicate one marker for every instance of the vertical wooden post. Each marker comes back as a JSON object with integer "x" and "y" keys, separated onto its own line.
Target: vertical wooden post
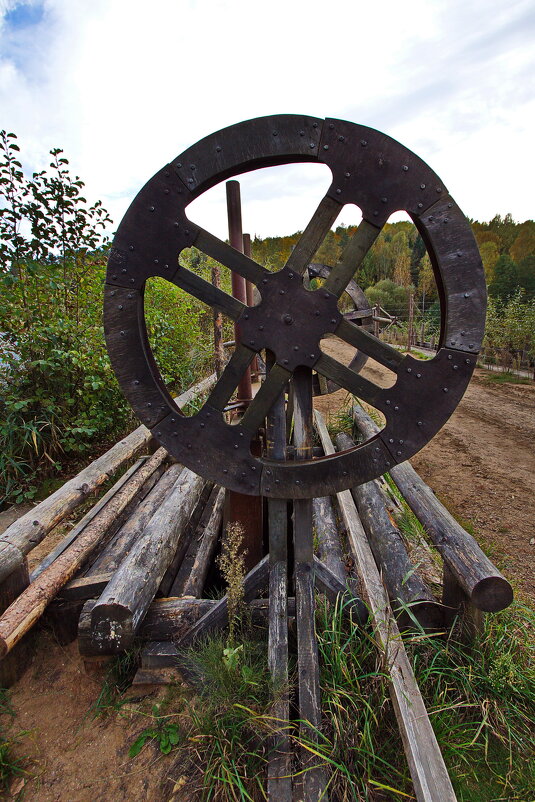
{"x": 239, "y": 288}
{"x": 246, "y": 510}
{"x": 219, "y": 351}
{"x": 249, "y": 291}
{"x": 457, "y": 603}
{"x": 314, "y": 780}
{"x": 375, "y": 316}
{"x": 411, "y": 322}
{"x": 279, "y": 768}
{"x": 14, "y": 664}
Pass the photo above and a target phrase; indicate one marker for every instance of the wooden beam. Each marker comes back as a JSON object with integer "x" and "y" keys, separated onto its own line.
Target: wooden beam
{"x": 29, "y": 530}
{"x": 120, "y": 609}
{"x": 484, "y": 585}
{"x": 22, "y": 614}
{"x": 409, "y": 595}
{"x": 314, "y": 779}
{"x": 428, "y": 771}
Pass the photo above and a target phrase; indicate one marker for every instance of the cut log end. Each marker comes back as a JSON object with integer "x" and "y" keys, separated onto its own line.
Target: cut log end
{"x": 492, "y": 594}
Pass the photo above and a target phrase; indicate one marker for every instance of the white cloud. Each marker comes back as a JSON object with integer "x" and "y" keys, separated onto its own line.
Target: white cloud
{"x": 124, "y": 86}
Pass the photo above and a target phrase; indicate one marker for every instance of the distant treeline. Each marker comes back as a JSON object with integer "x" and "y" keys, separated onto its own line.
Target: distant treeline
{"x": 399, "y": 256}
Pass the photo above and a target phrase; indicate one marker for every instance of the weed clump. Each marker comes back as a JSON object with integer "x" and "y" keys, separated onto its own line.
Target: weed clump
{"x": 231, "y": 563}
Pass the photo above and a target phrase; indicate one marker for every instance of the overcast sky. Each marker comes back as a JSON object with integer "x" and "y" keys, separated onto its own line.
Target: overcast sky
{"x": 123, "y": 86}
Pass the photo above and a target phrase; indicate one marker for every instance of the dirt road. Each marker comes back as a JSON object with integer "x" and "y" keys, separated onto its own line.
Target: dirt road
{"x": 482, "y": 466}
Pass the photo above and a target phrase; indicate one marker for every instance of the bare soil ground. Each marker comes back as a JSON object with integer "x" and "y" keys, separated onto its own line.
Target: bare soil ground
{"x": 481, "y": 465}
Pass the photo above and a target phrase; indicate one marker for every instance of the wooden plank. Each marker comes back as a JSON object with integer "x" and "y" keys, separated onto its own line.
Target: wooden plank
{"x": 29, "y": 530}
{"x": 329, "y": 584}
{"x": 407, "y": 591}
{"x": 326, "y": 531}
{"x": 255, "y": 581}
{"x": 120, "y": 609}
{"x": 88, "y": 517}
{"x": 314, "y": 778}
{"x": 159, "y": 654}
{"x": 484, "y": 585}
{"x": 426, "y": 764}
{"x": 185, "y": 542}
{"x": 192, "y": 574}
{"x": 109, "y": 559}
{"x": 85, "y": 587}
{"x": 22, "y": 614}
{"x": 279, "y": 780}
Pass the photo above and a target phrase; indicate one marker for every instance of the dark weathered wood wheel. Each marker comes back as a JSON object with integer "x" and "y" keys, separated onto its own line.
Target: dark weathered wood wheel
{"x": 370, "y": 170}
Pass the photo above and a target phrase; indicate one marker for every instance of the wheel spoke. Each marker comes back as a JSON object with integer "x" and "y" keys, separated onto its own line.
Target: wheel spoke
{"x": 266, "y": 396}
{"x": 230, "y": 378}
{"x": 348, "y": 379}
{"x": 314, "y": 234}
{"x": 229, "y": 257}
{"x": 352, "y": 257}
{"x": 368, "y": 344}
{"x": 207, "y": 293}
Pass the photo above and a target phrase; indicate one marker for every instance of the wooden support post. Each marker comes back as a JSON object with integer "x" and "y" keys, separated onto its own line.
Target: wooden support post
{"x": 240, "y": 508}
{"x": 457, "y": 605}
{"x": 428, "y": 771}
{"x": 279, "y": 768}
{"x": 326, "y": 531}
{"x": 15, "y": 664}
{"x": 249, "y": 291}
{"x": 314, "y": 779}
{"x": 410, "y": 325}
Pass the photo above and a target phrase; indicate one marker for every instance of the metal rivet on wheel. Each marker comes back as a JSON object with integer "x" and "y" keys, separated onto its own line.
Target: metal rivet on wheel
{"x": 391, "y": 440}
{"x": 136, "y": 382}
{"x": 114, "y": 276}
{"x": 179, "y": 164}
{"x": 225, "y": 470}
{"x": 363, "y": 142}
{"x": 130, "y": 247}
{"x": 325, "y": 147}
{"x": 296, "y": 348}
{"x": 420, "y": 205}
{"x": 338, "y": 191}
{"x": 218, "y": 149}
{"x": 268, "y": 473}
{"x": 456, "y": 367}
{"x": 301, "y": 133}
{"x": 312, "y": 356}
{"x": 450, "y": 356}
{"x": 384, "y": 200}
{"x": 467, "y": 295}
{"x": 439, "y": 189}
{"x": 113, "y": 292}
{"x": 275, "y": 133}
{"x": 236, "y": 445}
{"x": 312, "y": 145}
{"x": 203, "y": 425}
{"x": 375, "y": 214}
{"x": 409, "y": 370}
{"x": 398, "y": 453}
{"x": 341, "y": 139}
{"x": 284, "y": 361}
{"x": 401, "y": 442}
{"x": 331, "y": 126}
{"x": 444, "y": 389}
{"x": 120, "y": 306}
{"x": 348, "y": 175}
{"x": 396, "y": 408}
{"x": 388, "y": 401}
{"x": 418, "y": 375}
{"x": 405, "y": 168}
{"x": 122, "y": 334}
{"x": 422, "y": 186}
{"x": 420, "y": 423}
{"x": 151, "y": 208}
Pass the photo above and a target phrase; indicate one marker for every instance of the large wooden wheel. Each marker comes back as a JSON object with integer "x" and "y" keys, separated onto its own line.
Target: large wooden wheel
{"x": 370, "y": 170}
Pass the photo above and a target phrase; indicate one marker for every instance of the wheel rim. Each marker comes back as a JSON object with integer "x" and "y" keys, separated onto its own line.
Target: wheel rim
{"x": 370, "y": 170}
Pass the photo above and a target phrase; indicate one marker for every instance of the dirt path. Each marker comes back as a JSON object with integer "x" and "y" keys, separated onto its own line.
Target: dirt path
{"x": 482, "y": 466}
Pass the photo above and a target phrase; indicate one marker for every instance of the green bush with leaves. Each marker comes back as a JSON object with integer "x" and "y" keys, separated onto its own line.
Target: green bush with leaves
{"x": 59, "y": 398}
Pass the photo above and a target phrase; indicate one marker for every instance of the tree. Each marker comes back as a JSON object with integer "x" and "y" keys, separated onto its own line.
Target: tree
{"x": 401, "y": 258}
{"x": 505, "y": 281}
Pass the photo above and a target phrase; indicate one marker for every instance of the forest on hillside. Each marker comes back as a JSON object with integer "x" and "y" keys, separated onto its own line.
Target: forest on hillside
{"x": 59, "y": 400}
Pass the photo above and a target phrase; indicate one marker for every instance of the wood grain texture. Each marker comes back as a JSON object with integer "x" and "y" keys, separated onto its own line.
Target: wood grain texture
{"x": 22, "y": 614}
{"x": 428, "y": 771}
{"x": 314, "y": 776}
{"x": 192, "y": 574}
{"x": 120, "y": 609}
{"x": 408, "y": 593}
{"x": 326, "y": 531}
{"x": 484, "y": 585}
